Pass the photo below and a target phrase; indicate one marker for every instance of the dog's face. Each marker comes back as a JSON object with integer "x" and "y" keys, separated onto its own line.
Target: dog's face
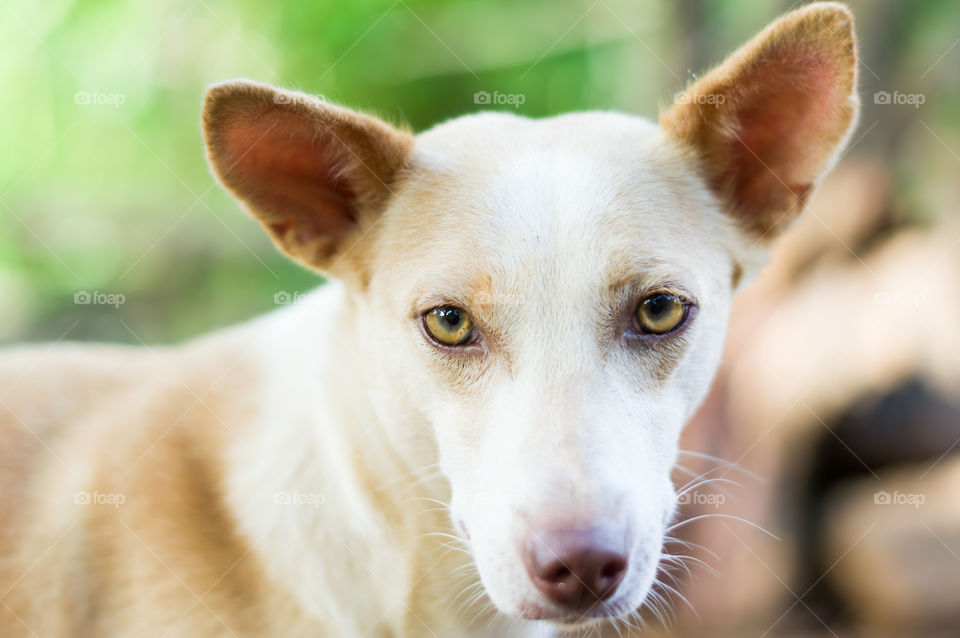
{"x": 556, "y": 317}
{"x": 551, "y": 296}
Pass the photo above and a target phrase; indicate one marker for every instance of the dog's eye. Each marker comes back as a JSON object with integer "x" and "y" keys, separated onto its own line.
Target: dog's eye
{"x": 661, "y": 313}
{"x": 449, "y": 326}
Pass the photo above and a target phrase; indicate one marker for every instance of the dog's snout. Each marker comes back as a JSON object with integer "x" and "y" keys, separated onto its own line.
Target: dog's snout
{"x": 577, "y": 569}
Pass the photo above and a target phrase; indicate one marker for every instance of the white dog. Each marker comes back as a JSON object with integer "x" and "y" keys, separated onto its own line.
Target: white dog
{"x": 525, "y": 315}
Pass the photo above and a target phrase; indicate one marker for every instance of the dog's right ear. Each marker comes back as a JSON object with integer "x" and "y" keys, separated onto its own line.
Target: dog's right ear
{"x": 314, "y": 174}
{"x": 771, "y": 120}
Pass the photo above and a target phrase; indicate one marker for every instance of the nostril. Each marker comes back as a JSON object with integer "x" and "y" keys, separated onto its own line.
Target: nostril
{"x": 577, "y": 569}
{"x": 609, "y": 577}
{"x": 559, "y": 575}
{"x": 613, "y": 569}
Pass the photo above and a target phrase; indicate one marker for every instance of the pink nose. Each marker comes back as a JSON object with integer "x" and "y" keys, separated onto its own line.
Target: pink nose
{"x": 577, "y": 569}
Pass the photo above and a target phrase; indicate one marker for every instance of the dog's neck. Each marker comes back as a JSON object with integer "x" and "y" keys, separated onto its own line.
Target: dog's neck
{"x": 325, "y": 488}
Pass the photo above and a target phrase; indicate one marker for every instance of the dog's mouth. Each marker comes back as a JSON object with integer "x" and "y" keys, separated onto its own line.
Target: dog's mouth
{"x": 570, "y": 621}
{"x": 621, "y": 605}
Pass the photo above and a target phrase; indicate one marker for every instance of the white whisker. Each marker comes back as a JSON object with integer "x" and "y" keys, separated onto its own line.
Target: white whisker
{"x": 722, "y": 515}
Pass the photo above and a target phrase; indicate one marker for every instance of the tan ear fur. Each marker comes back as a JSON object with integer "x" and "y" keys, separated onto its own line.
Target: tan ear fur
{"x": 770, "y": 120}
{"x": 311, "y": 172}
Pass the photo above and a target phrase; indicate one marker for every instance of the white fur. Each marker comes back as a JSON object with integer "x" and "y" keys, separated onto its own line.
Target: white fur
{"x": 384, "y": 486}
{"x": 571, "y": 427}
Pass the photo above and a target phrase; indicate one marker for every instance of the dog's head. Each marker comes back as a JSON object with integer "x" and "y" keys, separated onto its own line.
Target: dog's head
{"x": 550, "y": 296}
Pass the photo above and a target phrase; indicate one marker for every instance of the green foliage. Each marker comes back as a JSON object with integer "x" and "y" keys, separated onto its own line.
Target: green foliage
{"x": 103, "y": 184}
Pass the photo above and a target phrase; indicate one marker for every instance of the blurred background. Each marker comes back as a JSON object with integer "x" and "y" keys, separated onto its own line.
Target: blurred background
{"x": 834, "y": 420}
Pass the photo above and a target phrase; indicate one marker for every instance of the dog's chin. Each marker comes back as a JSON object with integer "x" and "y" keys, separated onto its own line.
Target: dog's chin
{"x": 572, "y": 621}
{"x": 567, "y": 621}
{"x": 575, "y": 624}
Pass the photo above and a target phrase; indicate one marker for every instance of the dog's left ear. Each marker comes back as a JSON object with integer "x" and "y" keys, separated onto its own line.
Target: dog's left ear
{"x": 313, "y": 173}
{"x": 771, "y": 119}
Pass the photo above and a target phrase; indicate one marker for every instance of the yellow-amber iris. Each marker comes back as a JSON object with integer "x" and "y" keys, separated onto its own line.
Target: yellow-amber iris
{"x": 661, "y": 313}
{"x": 449, "y": 325}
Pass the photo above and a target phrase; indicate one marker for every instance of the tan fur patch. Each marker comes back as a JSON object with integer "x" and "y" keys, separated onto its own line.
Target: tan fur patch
{"x": 768, "y": 122}
{"x": 309, "y": 171}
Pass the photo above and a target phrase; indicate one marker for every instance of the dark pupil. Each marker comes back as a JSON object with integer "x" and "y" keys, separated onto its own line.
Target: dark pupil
{"x": 450, "y": 317}
{"x": 658, "y": 305}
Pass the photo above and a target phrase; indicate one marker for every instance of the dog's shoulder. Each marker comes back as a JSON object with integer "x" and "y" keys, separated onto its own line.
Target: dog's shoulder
{"x": 117, "y": 451}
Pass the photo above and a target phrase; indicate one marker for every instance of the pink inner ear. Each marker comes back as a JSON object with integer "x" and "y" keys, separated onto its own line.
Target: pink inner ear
{"x": 786, "y": 110}
{"x": 292, "y": 174}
